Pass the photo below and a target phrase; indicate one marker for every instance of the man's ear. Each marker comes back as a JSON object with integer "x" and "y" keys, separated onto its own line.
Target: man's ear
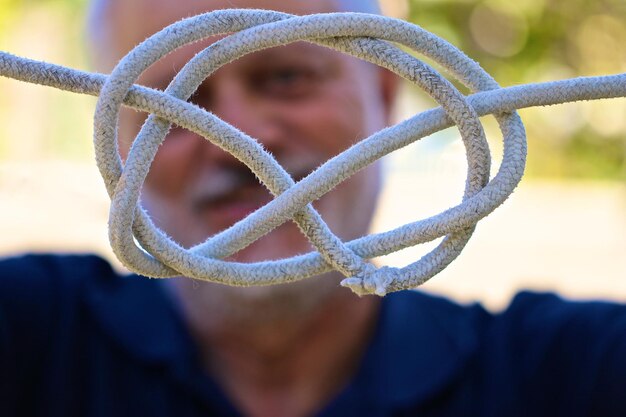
{"x": 389, "y": 85}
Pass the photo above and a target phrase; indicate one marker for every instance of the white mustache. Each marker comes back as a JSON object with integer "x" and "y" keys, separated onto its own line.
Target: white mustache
{"x": 227, "y": 182}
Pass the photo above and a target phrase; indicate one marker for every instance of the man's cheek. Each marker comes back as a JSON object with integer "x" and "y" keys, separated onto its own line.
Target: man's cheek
{"x": 130, "y": 123}
{"x": 171, "y": 168}
{"x": 336, "y": 131}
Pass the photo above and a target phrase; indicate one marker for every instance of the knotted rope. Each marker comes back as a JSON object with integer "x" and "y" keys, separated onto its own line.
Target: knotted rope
{"x": 364, "y": 36}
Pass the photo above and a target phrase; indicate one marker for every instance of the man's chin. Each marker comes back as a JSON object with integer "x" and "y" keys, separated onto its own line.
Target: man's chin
{"x": 269, "y": 303}
{"x": 265, "y": 303}
{"x": 283, "y": 242}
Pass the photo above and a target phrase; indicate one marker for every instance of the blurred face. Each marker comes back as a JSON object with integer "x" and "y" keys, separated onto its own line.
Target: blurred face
{"x": 303, "y": 102}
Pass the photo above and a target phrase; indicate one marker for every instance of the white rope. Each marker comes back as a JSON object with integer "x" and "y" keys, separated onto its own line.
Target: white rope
{"x": 364, "y": 36}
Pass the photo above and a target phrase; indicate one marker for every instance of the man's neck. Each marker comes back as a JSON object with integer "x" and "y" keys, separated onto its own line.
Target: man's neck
{"x": 290, "y": 365}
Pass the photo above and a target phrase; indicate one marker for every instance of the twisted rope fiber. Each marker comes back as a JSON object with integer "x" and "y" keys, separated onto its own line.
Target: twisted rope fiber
{"x": 361, "y": 35}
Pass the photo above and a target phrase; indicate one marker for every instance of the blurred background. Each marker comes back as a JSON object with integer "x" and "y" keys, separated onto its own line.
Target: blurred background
{"x": 564, "y": 229}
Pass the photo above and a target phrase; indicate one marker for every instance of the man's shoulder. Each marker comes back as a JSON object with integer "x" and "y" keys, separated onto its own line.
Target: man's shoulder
{"x": 52, "y": 265}
{"x": 41, "y": 276}
{"x": 34, "y": 288}
{"x": 550, "y": 316}
{"x": 535, "y": 328}
{"x": 538, "y": 351}
{"x": 527, "y": 312}
{"x": 562, "y": 349}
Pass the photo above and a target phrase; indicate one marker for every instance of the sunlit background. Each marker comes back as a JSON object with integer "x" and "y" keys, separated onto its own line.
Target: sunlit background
{"x": 564, "y": 229}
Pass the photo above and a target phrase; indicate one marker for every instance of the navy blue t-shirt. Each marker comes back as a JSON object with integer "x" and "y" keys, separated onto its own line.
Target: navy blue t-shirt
{"x": 76, "y": 339}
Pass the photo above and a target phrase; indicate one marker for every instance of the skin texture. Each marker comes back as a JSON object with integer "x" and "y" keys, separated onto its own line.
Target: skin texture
{"x": 282, "y": 350}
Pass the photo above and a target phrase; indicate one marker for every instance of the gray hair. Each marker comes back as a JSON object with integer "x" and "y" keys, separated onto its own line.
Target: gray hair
{"x": 362, "y": 6}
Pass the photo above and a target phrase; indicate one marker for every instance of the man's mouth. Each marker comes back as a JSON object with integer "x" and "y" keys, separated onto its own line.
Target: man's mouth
{"x": 227, "y": 208}
{"x": 229, "y": 195}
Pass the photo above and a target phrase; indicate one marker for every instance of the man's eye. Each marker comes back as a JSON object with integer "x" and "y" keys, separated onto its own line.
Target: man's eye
{"x": 285, "y": 82}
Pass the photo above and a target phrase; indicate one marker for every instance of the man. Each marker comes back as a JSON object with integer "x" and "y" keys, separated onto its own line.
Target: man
{"x": 75, "y": 339}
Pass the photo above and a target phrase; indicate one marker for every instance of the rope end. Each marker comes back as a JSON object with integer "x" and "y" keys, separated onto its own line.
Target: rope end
{"x": 372, "y": 282}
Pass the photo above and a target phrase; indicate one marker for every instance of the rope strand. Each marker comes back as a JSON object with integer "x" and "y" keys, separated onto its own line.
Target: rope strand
{"x": 369, "y": 37}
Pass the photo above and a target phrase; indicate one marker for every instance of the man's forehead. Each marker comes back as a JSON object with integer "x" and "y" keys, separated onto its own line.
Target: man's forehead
{"x": 119, "y": 25}
{"x": 362, "y": 6}
{"x": 168, "y": 11}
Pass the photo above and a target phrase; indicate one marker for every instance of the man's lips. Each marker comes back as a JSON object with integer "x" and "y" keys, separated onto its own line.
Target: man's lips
{"x": 228, "y": 211}
{"x": 230, "y": 196}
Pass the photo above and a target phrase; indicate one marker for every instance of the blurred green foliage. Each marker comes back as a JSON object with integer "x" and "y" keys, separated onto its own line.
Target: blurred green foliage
{"x": 523, "y": 41}
{"x": 38, "y": 122}
{"x": 11, "y": 10}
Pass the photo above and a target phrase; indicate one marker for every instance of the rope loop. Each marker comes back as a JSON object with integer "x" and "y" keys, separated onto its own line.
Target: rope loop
{"x": 146, "y": 250}
{"x": 359, "y": 35}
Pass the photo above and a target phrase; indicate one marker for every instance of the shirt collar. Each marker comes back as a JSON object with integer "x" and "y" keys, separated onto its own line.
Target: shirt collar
{"x": 422, "y": 343}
